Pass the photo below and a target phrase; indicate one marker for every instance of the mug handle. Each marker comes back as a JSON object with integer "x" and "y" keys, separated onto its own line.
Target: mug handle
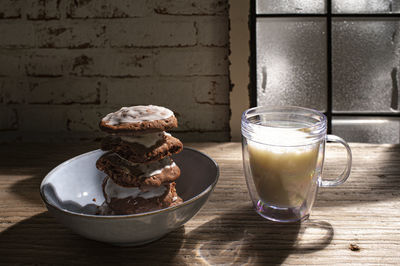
{"x": 346, "y": 172}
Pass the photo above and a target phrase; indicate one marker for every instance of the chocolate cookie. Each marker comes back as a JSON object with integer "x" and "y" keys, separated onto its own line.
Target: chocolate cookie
{"x": 140, "y": 119}
{"x": 123, "y": 200}
{"x": 143, "y": 175}
{"x": 144, "y": 148}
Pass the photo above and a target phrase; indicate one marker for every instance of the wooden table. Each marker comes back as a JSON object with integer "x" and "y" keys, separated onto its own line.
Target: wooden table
{"x": 358, "y": 222}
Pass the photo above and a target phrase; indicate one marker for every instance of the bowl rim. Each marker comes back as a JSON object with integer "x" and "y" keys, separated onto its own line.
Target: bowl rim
{"x": 126, "y": 216}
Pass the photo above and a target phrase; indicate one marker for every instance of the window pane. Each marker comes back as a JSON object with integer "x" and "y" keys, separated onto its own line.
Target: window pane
{"x": 290, "y": 6}
{"x": 367, "y": 129}
{"x": 366, "y": 64}
{"x": 366, "y": 6}
{"x": 291, "y": 62}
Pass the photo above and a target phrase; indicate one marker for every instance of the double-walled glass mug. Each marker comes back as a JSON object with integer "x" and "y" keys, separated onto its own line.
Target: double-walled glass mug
{"x": 283, "y": 156}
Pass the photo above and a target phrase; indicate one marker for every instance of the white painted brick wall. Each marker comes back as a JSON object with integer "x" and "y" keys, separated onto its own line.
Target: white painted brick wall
{"x": 64, "y": 64}
{"x": 73, "y": 34}
{"x": 192, "y": 61}
{"x": 12, "y": 91}
{"x": 10, "y": 63}
{"x": 8, "y": 119}
{"x": 69, "y": 91}
{"x": 109, "y": 9}
{"x": 210, "y": 29}
{"x": 17, "y": 34}
{"x": 46, "y": 63}
{"x": 10, "y": 9}
{"x": 37, "y": 118}
{"x": 191, "y": 7}
{"x": 151, "y": 32}
{"x": 41, "y": 9}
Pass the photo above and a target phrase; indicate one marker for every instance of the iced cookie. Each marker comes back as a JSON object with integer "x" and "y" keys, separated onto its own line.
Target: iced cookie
{"x": 139, "y": 119}
{"x": 142, "y": 148}
{"x": 143, "y": 175}
{"x": 131, "y": 200}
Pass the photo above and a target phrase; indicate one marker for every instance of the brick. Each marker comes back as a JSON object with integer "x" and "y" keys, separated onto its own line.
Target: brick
{"x": 43, "y": 9}
{"x": 10, "y": 64}
{"x": 63, "y": 91}
{"x": 10, "y": 9}
{"x": 42, "y": 118}
{"x": 16, "y": 34}
{"x": 91, "y": 62}
{"x": 168, "y": 91}
{"x": 213, "y": 31}
{"x": 152, "y": 32}
{"x": 108, "y": 9}
{"x": 202, "y": 117}
{"x": 87, "y": 118}
{"x": 193, "y": 61}
{"x": 74, "y": 34}
{"x": 211, "y": 90}
{"x": 191, "y": 7}
{"x": 12, "y": 90}
{"x": 113, "y": 63}
{"x": 46, "y": 63}
{"x": 129, "y": 91}
{"x": 165, "y": 92}
{"x": 8, "y": 119}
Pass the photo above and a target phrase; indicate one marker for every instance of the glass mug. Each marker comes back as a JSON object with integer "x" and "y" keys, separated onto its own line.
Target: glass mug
{"x": 283, "y": 155}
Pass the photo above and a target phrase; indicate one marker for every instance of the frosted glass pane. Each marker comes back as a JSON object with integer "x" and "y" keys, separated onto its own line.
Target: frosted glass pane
{"x": 366, "y": 64}
{"x": 365, "y": 6}
{"x": 367, "y": 129}
{"x": 290, "y": 6}
{"x": 291, "y": 62}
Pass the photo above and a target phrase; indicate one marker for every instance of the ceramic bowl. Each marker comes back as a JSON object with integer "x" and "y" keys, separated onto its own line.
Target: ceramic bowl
{"x": 72, "y": 192}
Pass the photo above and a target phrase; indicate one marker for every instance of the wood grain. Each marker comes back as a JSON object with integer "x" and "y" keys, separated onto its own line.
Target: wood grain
{"x": 356, "y": 223}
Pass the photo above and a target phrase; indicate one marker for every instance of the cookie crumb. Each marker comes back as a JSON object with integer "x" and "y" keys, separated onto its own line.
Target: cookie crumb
{"x": 354, "y": 247}
{"x": 94, "y": 199}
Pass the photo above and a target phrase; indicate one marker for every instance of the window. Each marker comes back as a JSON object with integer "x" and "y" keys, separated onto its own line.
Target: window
{"x": 341, "y": 57}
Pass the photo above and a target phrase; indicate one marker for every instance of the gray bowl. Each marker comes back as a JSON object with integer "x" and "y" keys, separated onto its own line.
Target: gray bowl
{"x": 72, "y": 192}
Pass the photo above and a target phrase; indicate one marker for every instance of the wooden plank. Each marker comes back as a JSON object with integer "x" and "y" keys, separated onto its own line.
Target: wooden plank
{"x": 365, "y": 212}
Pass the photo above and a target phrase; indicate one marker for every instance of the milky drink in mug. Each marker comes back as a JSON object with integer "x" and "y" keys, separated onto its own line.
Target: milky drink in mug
{"x": 283, "y": 175}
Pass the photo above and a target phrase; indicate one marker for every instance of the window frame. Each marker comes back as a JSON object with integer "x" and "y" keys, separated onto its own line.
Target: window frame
{"x": 329, "y": 15}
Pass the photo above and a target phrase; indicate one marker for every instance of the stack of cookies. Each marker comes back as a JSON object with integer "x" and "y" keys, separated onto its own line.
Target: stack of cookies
{"x": 140, "y": 171}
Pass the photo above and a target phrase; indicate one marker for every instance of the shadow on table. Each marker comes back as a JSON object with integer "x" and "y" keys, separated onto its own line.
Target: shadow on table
{"x": 40, "y": 239}
{"x": 234, "y": 237}
{"x": 28, "y": 189}
{"x": 32, "y": 162}
{"x": 239, "y": 237}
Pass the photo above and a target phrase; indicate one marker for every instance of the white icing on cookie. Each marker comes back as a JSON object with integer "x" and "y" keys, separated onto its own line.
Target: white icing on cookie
{"x": 146, "y": 140}
{"x": 152, "y": 168}
{"x": 155, "y": 168}
{"x": 113, "y": 190}
{"x": 137, "y": 114}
